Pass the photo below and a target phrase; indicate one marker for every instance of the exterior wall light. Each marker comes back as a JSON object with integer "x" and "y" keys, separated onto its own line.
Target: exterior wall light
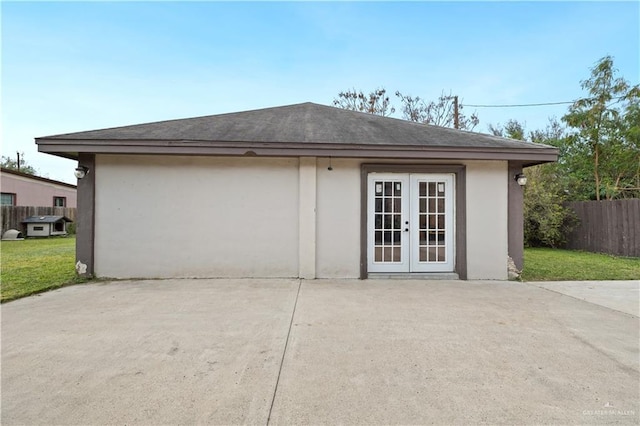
{"x": 521, "y": 179}
{"x": 81, "y": 171}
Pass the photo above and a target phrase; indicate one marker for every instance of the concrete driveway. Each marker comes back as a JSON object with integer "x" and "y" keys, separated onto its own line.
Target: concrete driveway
{"x": 311, "y": 352}
{"x": 623, "y": 296}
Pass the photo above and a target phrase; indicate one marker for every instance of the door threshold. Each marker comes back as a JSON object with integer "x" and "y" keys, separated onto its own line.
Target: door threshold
{"x": 413, "y": 276}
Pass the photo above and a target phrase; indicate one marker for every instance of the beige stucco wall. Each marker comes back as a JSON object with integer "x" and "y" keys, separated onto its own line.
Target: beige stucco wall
{"x": 161, "y": 216}
{"x": 487, "y": 213}
{"x": 338, "y": 219}
{"x": 338, "y": 216}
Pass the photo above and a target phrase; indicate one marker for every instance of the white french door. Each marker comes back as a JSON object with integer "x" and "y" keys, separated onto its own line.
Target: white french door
{"x": 410, "y": 222}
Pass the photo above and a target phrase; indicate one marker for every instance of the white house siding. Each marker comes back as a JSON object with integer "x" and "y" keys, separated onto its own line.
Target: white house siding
{"x": 170, "y": 216}
{"x": 487, "y": 214}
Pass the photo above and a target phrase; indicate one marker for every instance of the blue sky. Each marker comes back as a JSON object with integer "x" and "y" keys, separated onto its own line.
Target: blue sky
{"x": 73, "y": 66}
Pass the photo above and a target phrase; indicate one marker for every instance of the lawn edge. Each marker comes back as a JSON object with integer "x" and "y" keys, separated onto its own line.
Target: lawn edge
{"x": 76, "y": 281}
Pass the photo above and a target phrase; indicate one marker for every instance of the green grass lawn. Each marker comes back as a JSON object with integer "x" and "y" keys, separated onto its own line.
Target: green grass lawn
{"x": 35, "y": 265}
{"x": 544, "y": 264}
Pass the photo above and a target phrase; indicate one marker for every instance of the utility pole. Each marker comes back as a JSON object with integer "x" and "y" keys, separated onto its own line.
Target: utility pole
{"x": 456, "y": 121}
{"x": 456, "y": 112}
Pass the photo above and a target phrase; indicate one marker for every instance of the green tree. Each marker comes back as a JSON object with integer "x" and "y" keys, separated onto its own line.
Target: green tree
{"x": 376, "y": 102}
{"x": 546, "y": 220}
{"x": 513, "y": 129}
{"x": 631, "y": 128}
{"x": 603, "y": 151}
{"x": 439, "y": 113}
{"x": 22, "y": 166}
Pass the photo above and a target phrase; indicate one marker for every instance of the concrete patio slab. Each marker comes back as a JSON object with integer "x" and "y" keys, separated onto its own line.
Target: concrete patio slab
{"x": 623, "y": 296}
{"x": 357, "y": 352}
{"x": 145, "y": 352}
{"x": 411, "y": 352}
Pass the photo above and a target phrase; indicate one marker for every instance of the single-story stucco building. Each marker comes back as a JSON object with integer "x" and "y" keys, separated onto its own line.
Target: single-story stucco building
{"x": 303, "y": 190}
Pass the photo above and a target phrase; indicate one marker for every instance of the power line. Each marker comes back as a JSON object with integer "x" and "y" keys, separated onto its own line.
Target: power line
{"x": 538, "y": 104}
{"x": 518, "y": 105}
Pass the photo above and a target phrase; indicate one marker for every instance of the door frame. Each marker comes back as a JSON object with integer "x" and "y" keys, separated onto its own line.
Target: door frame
{"x": 403, "y": 266}
{"x": 460, "y": 240}
{"x": 449, "y": 221}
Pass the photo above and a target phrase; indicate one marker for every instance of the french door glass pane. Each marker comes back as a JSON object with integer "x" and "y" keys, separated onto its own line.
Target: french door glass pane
{"x": 431, "y": 222}
{"x": 387, "y": 221}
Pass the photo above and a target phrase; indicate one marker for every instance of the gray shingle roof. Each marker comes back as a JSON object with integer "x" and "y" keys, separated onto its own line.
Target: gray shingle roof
{"x": 307, "y": 123}
{"x": 46, "y": 219}
{"x": 306, "y": 129}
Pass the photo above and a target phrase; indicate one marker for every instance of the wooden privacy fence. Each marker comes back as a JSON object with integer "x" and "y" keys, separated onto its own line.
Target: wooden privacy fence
{"x": 12, "y": 216}
{"x": 611, "y": 227}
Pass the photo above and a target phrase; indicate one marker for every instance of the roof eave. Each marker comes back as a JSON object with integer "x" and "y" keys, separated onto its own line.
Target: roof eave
{"x": 72, "y": 148}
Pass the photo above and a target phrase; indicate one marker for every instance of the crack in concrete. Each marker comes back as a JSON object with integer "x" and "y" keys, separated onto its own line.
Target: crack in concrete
{"x": 624, "y": 367}
{"x": 284, "y": 352}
